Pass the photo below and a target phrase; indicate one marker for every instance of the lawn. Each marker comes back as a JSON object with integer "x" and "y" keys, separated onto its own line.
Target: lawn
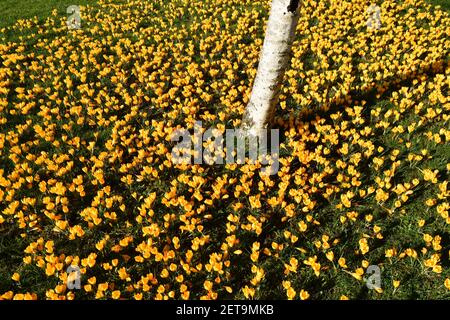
{"x": 11, "y": 10}
{"x": 445, "y": 4}
{"x": 87, "y": 177}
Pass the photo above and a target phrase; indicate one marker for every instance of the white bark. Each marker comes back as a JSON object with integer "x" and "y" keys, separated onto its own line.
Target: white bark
{"x": 274, "y": 59}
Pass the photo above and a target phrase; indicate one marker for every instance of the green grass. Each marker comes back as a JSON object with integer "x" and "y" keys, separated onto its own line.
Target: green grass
{"x": 12, "y": 10}
{"x": 445, "y": 4}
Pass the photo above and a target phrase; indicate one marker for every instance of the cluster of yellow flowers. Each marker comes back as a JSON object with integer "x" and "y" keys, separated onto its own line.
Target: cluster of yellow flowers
{"x": 86, "y": 177}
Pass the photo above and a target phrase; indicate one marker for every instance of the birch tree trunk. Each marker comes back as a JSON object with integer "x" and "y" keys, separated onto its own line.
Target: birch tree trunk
{"x": 274, "y": 59}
